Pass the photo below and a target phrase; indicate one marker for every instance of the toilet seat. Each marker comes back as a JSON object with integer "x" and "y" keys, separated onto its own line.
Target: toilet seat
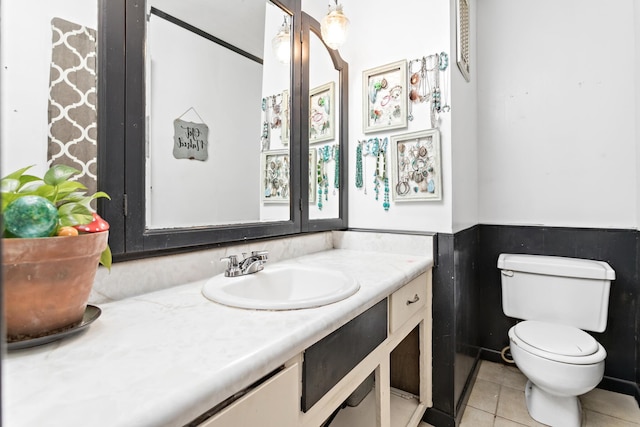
{"x": 561, "y": 343}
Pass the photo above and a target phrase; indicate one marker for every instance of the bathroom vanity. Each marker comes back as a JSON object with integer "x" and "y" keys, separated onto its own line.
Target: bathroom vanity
{"x": 312, "y": 386}
{"x": 173, "y": 357}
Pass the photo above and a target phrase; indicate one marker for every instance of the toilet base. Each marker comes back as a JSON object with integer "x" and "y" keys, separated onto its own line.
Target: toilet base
{"x": 556, "y": 411}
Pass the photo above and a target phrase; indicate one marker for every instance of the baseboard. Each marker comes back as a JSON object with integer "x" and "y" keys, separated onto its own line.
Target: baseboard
{"x": 492, "y": 356}
{"x": 621, "y": 386}
{"x": 437, "y": 418}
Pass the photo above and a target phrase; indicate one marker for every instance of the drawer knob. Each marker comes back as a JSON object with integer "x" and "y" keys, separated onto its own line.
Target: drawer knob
{"x": 416, "y": 298}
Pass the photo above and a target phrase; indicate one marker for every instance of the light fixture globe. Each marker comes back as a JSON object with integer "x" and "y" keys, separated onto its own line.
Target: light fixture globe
{"x": 334, "y": 27}
{"x": 281, "y": 43}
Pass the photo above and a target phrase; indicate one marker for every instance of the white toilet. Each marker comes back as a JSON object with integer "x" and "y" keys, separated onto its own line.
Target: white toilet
{"x": 556, "y": 297}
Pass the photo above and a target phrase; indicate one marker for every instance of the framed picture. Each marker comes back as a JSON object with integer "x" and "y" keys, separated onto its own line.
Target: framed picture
{"x": 321, "y": 116}
{"x": 416, "y": 172}
{"x": 384, "y": 97}
{"x": 274, "y": 182}
{"x": 462, "y": 37}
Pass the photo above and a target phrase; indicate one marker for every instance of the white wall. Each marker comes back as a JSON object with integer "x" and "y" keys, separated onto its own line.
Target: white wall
{"x": 380, "y": 34}
{"x": 557, "y": 112}
{"x": 464, "y": 134}
{"x": 25, "y": 59}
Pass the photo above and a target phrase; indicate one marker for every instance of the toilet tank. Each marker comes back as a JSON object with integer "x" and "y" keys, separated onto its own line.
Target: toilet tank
{"x": 555, "y": 289}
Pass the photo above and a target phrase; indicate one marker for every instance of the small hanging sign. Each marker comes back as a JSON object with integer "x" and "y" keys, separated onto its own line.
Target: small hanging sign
{"x": 190, "y": 140}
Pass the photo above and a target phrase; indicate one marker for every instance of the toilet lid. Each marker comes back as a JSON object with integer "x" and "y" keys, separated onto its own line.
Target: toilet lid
{"x": 557, "y": 339}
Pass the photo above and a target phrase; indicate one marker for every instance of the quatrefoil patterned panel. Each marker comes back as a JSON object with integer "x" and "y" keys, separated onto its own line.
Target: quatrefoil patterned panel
{"x": 72, "y": 100}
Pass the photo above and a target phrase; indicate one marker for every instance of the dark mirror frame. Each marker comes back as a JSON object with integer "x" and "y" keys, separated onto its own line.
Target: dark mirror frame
{"x": 309, "y": 24}
{"x": 121, "y": 148}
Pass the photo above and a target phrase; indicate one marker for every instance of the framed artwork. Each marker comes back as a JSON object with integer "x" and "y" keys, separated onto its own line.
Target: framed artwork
{"x": 321, "y": 116}
{"x": 284, "y": 126}
{"x": 416, "y": 172}
{"x": 274, "y": 183}
{"x": 384, "y": 97}
{"x": 462, "y": 37}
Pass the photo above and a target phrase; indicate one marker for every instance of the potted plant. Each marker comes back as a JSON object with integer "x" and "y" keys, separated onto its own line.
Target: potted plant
{"x": 52, "y": 243}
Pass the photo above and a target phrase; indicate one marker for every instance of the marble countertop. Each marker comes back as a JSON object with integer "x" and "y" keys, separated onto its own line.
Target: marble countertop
{"x": 163, "y": 358}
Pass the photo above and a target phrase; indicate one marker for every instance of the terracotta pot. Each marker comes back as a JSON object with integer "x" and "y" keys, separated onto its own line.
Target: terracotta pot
{"x": 47, "y": 282}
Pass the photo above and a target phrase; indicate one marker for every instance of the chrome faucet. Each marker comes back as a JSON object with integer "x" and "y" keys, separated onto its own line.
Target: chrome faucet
{"x": 250, "y": 264}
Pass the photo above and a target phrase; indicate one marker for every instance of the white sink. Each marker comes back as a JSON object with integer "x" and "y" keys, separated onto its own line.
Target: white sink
{"x": 281, "y": 287}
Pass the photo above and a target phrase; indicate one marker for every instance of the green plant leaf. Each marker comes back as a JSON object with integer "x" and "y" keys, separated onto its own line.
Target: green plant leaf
{"x": 106, "y": 258}
{"x": 17, "y": 174}
{"x": 9, "y": 185}
{"x": 31, "y": 187}
{"x": 58, "y": 174}
{"x": 45, "y": 190}
{"x": 100, "y": 194}
{"x": 66, "y": 188}
{"x": 74, "y": 214}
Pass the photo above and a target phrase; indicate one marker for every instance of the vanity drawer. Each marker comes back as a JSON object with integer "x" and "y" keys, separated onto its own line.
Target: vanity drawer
{"x": 407, "y": 301}
{"x": 273, "y": 403}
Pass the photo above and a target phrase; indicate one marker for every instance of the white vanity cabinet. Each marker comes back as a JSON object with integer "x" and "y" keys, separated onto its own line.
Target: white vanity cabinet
{"x": 273, "y": 403}
{"x": 402, "y": 390}
{"x": 401, "y": 363}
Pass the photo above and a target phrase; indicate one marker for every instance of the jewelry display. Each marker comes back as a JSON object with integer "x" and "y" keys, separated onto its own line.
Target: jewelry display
{"x": 326, "y": 154}
{"x": 272, "y": 118}
{"x": 321, "y": 113}
{"x": 424, "y": 76}
{"x": 380, "y": 176}
{"x": 265, "y": 138}
{"x": 415, "y": 161}
{"x": 384, "y": 97}
{"x": 377, "y": 148}
{"x": 321, "y": 178}
{"x": 276, "y": 176}
{"x": 359, "y": 181}
{"x": 444, "y": 64}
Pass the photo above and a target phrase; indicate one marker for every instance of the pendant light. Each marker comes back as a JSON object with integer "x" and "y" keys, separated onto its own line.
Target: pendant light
{"x": 281, "y": 43}
{"x": 334, "y": 26}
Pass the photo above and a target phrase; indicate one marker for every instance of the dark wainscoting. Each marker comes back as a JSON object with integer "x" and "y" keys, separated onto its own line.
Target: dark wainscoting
{"x": 617, "y": 247}
{"x": 455, "y": 333}
{"x": 467, "y": 304}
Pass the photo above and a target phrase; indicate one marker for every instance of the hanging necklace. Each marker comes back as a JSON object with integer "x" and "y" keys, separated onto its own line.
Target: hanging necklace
{"x": 320, "y": 177}
{"x": 380, "y": 175}
{"x": 443, "y": 65}
{"x": 359, "y": 182}
{"x": 414, "y": 79}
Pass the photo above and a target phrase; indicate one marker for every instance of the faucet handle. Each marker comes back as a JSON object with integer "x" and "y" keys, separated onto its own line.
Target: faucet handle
{"x": 261, "y": 255}
{"x": 232, "y": 260}
{"x": 233, "y": 268}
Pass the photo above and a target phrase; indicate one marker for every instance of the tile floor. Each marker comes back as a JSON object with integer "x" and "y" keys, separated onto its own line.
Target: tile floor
{"x": 497, "y": 399}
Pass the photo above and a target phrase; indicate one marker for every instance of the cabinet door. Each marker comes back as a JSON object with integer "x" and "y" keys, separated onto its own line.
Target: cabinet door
{"x": 272, "y": 404}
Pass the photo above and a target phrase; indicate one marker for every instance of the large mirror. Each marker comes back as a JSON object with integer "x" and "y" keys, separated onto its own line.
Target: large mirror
{"x": 213, "y": 136}
{"x": 217, "y": 104}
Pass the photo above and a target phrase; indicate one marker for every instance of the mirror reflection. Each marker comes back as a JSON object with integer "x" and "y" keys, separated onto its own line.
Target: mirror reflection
{"x": 324, "y": 132}
{"x": 217, "y": 113}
